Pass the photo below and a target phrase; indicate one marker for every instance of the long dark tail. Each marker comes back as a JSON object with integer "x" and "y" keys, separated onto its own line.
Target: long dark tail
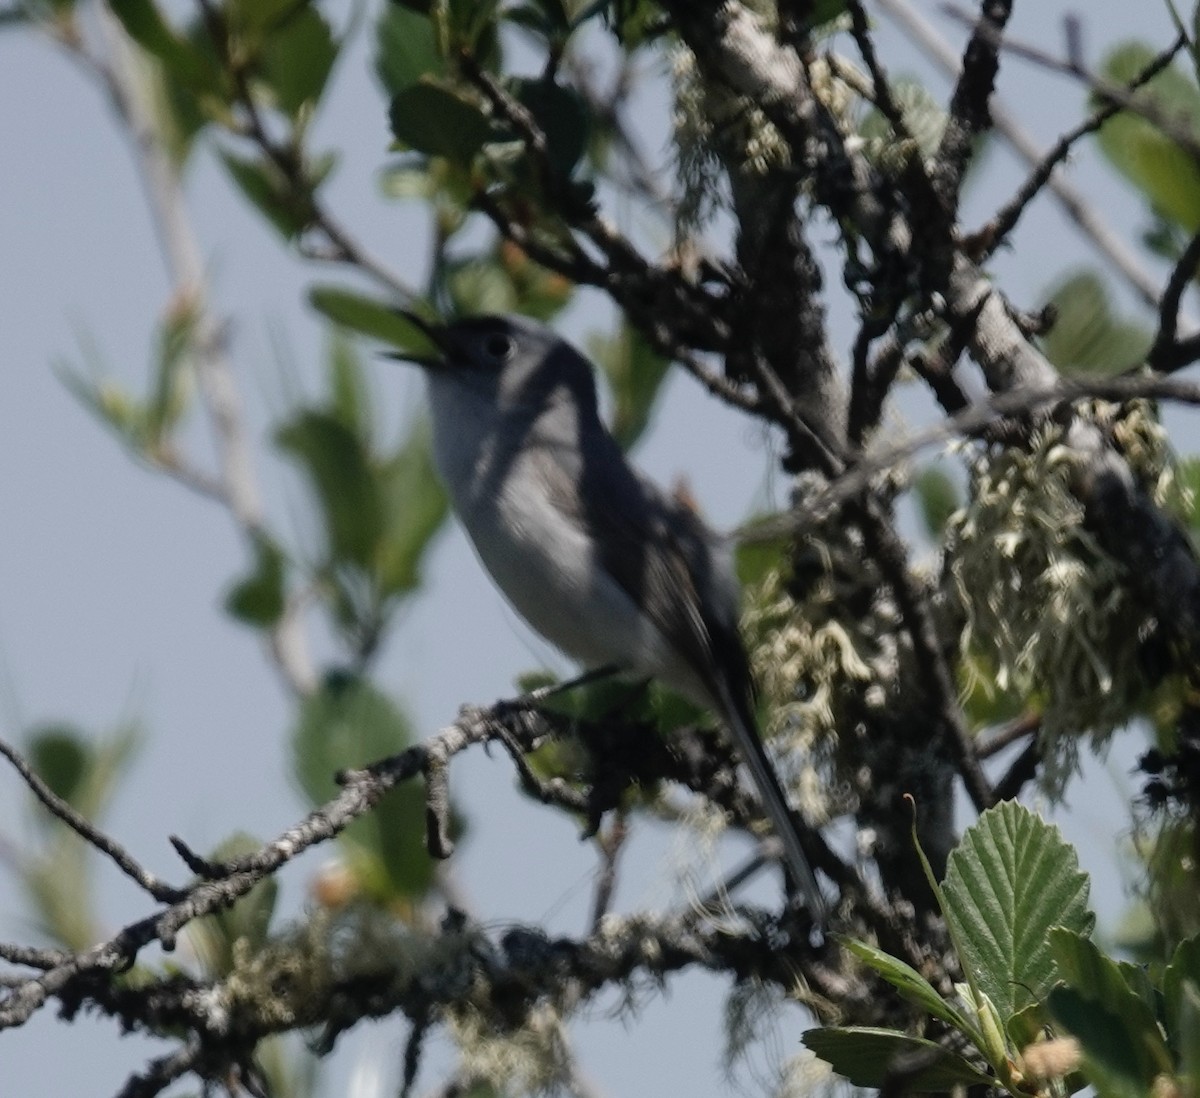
{"x": 774, "y": 800}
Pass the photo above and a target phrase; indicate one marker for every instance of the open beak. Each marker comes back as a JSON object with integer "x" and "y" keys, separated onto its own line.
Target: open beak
{"x": 433, "y": 332}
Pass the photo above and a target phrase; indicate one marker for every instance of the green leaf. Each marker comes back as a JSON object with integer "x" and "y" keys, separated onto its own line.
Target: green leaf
{"x": 1181, "y": 973}
{"x": 144, "y": 23}
{"x": 635, "y": 373}
{"x": 406, "y": 49}
{"x": 1116, "y": 1066}
{"x": 480, "y": 285}
{"x": 877, "y": 1057}
{"x": 1188, "y": 474}
{"x": 370, "y": 317}
{"x": 249, "y": 918}
{"x": 106, "y": 760}
{"x": 339, "y": 471}
{"x": 1166, "y": 173}
{"x": 291, "y": 213}
{"x": 1027, "y": 1025}
{"x": 297, "y": 59}
{"x": 1186, "y": 1036}
{"x": 1087, "y": 336}
{"x": 906, "y": 980}
{"x": 1086, "y": 970}
{"x": 348, "y": 723}
{"x": 349, "y": 396}
{"x": 757, "y": 557}
{"x": 1010, "y": 879}
{"x": 562, "y": 115}
{"x": 213, "y": 938}
{"x": 440, "y": 122}
{"x": 409, "y": 180}
{"x": 61, "y": 757}
{"x": 258, "y": 18}
{"x": 415, "y": 506}
{"x": 259, "y": 598}
{"x": 938, "y": 497}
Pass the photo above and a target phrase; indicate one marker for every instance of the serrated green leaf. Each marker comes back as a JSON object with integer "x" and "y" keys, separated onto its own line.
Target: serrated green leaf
{"x": 938, "y": 497}
{"x": 439, "y": 121}
{"x": 297, "y": 58}
{"x": 1027, "y": 1025}
{"x": 1010, "y": 879}
{"x": 406, "y": 48}
{"x": 1113, "y": 1064}
{"x": 1087, "y": 336}
{"x": 259, "y": 598}
{"x": 906, "y": 980}
{"x": 874, "y": 1057}
{"x": 369, "y": 317}
{"x": 1085, "y": 969}
{"x": 339, "y": 470}
{"x": 348, "y": 723}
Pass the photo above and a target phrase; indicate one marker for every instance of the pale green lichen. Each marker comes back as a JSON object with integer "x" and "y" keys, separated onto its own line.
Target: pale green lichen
{"x": 533, "y": 1058}
{"x": 818, "y": 666}
{"x": 282, "y": 984}
{"x": 1048, "y": 618}
{"x": 721, "y": 135}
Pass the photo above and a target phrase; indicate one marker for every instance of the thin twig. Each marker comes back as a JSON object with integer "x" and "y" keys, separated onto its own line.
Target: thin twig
{"x": 112, "y": 849}
{"x": 1074, "y": 67}
{"x": 162, "y": 1071}
{"x": 977, "y": 419}
{"x": 998, "y": 228}
{"x": 1016, "y": 730}
{"x": 1166, "y": 342}
{"x": 238, "y": 488}
{"x": 287, "y": 160}
{"x": 32, "y": 958}
{"x": 1077, "y": 207}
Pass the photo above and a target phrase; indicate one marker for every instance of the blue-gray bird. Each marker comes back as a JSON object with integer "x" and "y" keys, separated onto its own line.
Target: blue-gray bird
{"x": 593, "y": 555}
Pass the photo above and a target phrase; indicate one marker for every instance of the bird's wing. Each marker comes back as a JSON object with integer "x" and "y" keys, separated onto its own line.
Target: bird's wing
{"x": 666, "y": 559}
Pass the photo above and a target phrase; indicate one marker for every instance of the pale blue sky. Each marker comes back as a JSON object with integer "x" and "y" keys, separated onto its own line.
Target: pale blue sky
{"x": 111, "y": 578}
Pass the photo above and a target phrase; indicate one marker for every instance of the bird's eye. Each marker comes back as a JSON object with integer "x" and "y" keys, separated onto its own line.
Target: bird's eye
{"x": 498, "y": 347}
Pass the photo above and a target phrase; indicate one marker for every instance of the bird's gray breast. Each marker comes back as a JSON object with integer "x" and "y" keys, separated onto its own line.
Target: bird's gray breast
{"x": 514, "y": 483}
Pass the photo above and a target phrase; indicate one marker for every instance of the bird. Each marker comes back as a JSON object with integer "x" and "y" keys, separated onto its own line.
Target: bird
{"x": 595, "y": 556}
